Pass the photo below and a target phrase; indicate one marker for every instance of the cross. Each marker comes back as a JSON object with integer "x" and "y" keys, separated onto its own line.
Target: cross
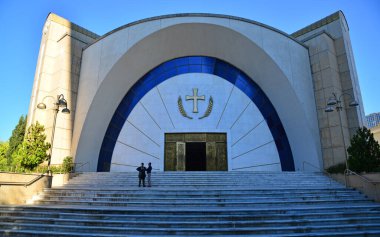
{"x": 195, "y": 97}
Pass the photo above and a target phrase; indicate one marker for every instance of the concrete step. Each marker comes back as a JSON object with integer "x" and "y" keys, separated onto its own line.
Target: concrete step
{"x": 189, "y": 196}
{"x": 213, "y": 191}
{"x": 196, "y": 203}
{"x": 370, "y": 207}
{"x": 187, "y": 216}
{"x": 152, "y": 204}
{"x": 24, "y": 233}
{"x": 189, "y": 223}
{"x": 193, "y": 231}
{"x": 181, "y": 199}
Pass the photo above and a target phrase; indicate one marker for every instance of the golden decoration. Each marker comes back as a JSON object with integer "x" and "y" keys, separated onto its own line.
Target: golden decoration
{"x": 181, "y": 109}
{"x": 209, "y": 108}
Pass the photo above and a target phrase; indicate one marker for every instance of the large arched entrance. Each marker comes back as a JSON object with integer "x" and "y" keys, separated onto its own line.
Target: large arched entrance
{"x": 226, "y": 76}
{"x": 102, "y": 90}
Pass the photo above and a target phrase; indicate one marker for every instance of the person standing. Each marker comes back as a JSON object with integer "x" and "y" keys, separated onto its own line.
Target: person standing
{"x": 149, "y": 172}
{"x": 142, "y": 175}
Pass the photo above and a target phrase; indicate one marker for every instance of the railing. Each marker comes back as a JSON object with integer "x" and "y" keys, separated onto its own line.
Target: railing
{"x": 253, "y": 166}
{"x": 80, "y": 165}
{"x": 134, "y": 166}
{"x": 348, "y": 172}
{"x": 25, "y": 184}
{"x": 319, "y": 170}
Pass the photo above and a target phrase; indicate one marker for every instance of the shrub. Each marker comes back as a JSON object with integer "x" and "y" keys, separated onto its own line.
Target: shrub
{"x": 67, "y": 164}
{"x": 364, "y": 152}
{"x": 337, "y": 169}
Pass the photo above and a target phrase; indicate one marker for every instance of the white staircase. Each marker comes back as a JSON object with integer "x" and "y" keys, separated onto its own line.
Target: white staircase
{"x": 196, "y": 203}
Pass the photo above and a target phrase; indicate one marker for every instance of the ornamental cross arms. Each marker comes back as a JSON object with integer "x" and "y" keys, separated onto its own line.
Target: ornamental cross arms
{"x": 195, "y": 99}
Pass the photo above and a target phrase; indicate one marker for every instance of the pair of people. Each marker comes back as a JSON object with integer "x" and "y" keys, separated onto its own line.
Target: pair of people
{"x": 142, "y": 169}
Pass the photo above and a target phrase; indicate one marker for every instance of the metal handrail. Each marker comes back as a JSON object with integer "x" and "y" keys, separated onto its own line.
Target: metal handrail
{"x": 80, "y": 166}
{"x": 25, "y": 184}
{"x": 319, "y": 170}
{"x": 313, "y": 166}
{"x": 123, "y": 165}
{"x": 129, "y": 165}
{"x": 253, "y": 166}
{"x": 349, "y": 172}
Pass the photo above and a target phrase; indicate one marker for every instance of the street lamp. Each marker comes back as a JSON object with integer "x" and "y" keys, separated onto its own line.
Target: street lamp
{"x": 60, "y": 102}
{"x": 335, "y": 103}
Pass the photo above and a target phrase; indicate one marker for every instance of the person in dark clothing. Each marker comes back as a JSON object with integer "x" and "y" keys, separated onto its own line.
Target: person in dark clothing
{"x": 142, "y": 175}
{"x": 149, "y": 172}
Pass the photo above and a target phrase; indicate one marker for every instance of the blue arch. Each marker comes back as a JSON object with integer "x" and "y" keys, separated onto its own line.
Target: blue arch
{"x": 195, "y": 64}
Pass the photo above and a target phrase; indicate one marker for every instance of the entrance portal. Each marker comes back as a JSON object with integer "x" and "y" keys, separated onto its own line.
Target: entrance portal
{"x": 195, "y": 156}
{"x": 195, "y": 152}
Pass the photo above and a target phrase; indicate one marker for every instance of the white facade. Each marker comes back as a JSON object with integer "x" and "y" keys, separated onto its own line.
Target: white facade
{"x": 279, "y": 65}
{"x": 250, "y": 145}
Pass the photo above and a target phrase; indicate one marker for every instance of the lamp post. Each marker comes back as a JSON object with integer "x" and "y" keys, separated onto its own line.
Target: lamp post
{"x": 335, "y": 103}
{"x": 60, "y": 102}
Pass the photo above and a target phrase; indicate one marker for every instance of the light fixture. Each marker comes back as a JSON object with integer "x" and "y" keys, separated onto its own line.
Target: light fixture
{"x": 329, "y": 109}
{"x": 332, "y": 101}
{"x": 41, "y": 106}
{"x": 353, "y": 103}
{"x": 335, "y": 103}
{"x": 60, "y": 102}
{"x": 65, "y": 111}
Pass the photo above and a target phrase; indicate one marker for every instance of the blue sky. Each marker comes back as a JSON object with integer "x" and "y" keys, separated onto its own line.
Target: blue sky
{"x": 21, "y": 26}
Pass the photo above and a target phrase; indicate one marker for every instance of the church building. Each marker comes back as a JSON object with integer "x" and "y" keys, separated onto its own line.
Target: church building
{"x": 198, "y": 92}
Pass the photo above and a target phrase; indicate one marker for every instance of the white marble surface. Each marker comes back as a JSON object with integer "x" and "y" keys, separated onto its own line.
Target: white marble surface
{"x": 142, "y": 137}
{"x": 284, "y": 78}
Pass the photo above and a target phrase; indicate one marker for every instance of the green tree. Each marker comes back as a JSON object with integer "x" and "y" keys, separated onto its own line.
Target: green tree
{"x": 32, "y": 151}
{"x": 3, "y": 155}
{"x": 364, "y": 152}
{"x": 16, "y": 139}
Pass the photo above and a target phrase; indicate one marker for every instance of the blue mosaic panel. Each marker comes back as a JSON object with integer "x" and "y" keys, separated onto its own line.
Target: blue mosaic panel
{"x": 195, "y": 64}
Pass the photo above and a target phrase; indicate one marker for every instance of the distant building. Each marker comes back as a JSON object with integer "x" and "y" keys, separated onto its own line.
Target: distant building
{"x": 373, "y": 120}
{"x": 376, "y": 132}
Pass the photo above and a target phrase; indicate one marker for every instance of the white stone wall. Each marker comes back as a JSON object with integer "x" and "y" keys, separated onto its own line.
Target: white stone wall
{"x": 278, "y": 64}
{"x": 333, "y": 70}
{"x": 249, "y": 140}
{"x": 57, "y": 73}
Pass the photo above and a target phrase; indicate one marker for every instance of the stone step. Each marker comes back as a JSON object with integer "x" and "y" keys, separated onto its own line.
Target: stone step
{"x": 205, "y": 185}
{"x": 258, "y": 203}
{"x": 196, "y": 203}
{"x": 200, "y": 186}
{"x": 202, "y": 174}
{"x": 208, "y": 173}
{"x": 219, "y": 180}
{"x": 190, "y": 224}
{"x": 371, "y": 206}
{"x": 240, "y": 183}
{"x": 213, "y": 191}
{"x": 193, "y": 231}
{"x": 310, "y": 215}
{"x": 199, "y": 200}
{"x": 24, "y": 233}
{"x": 160, "y": 196}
